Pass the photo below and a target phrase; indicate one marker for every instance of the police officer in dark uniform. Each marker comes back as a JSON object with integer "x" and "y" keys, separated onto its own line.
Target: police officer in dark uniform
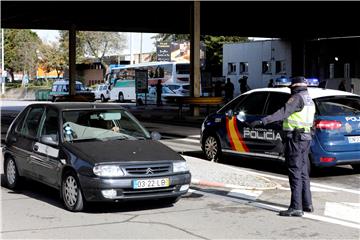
{"x": 298, "y": 116}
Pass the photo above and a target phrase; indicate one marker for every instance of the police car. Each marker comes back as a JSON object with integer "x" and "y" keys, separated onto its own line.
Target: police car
{"x": 337, "y": 126}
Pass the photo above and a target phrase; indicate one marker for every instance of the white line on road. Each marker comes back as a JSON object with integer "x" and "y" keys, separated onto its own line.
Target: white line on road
{"x": 312, "y": 188}
{"x": 312, "y": 183}
{"x": 306, "y": 215}
{"x": 247, "y": 194}
{"x": 344, "y": 211}
{"x": 183, "y": 140}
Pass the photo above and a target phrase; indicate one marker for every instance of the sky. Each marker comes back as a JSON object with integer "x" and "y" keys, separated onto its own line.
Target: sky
{"x": 147, "y": 41}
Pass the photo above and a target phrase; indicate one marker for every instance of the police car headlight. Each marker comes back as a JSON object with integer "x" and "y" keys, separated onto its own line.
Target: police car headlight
{"x": 108, "y": 171}
{"x": 180, "y": 167}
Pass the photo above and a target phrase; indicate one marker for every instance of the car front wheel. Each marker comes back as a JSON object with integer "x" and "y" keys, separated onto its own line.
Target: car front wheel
{"x": 71, "y": 193}
{"x": 12, "y": 177}
{"x": 212, "y": 148}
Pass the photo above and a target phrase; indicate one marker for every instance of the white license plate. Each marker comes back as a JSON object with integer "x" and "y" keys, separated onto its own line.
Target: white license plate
{"x": 355, "y": 139}
{"x": 151, "y": 183}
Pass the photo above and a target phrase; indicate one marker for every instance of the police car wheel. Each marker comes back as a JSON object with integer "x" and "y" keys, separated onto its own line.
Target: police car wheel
{"x": 212, "y": 148}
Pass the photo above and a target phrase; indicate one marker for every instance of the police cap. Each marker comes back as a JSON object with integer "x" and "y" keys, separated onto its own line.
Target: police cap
{"x": 298, "y": 82}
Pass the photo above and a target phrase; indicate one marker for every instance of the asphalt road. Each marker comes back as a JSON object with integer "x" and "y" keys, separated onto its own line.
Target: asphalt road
{"x": 204, "y": 213}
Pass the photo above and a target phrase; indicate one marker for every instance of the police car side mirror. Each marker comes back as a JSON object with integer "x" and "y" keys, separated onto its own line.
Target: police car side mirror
{"x": 230, "y": 113}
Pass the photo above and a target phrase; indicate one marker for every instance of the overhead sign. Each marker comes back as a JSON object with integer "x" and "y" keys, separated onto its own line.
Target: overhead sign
{"x": 141, "y": 81}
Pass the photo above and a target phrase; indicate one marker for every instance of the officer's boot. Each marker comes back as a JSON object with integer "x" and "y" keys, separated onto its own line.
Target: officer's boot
{"x": 291, "y": 213}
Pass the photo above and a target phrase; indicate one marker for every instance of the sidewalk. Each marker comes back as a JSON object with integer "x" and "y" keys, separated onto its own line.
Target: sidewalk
{"x": 211, "y": 174}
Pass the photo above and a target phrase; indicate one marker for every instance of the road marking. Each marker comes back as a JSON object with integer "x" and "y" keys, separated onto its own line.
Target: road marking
{"x": 184, "y": 140}
{"x": 247, "y": 194}
{"x": 344, "y": 211}
{"x": 276, "y": 208}
{"x": 179, "y": 147}
{"x": 312, "y": 184}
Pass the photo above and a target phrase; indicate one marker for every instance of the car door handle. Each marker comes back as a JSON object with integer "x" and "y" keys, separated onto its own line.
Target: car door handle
{"x": 36, "y": 148}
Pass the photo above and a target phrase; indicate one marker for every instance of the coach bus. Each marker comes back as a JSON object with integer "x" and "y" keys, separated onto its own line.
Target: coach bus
{"x": 122, "y": 79}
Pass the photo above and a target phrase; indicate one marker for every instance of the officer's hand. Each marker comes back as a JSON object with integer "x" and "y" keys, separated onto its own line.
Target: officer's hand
{"x": 256, "y": 123}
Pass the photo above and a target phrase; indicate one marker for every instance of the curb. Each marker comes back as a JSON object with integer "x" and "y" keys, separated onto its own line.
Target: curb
{"x": 206, "y": 183}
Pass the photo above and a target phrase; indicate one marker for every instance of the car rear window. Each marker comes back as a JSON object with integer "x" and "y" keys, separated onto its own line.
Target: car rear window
{"x": 339, "y": 105}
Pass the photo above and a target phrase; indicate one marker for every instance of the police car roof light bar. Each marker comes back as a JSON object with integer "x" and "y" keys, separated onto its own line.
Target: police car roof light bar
{"x": 313, "y": 82}
{"x": 282, "y": 82}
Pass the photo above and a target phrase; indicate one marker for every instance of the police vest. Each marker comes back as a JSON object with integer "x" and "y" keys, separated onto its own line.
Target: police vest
{"x": 303, "y": 119}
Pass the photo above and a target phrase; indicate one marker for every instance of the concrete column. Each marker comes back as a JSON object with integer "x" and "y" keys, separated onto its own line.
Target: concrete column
{"x": 298, "y": 57}
{"x": 195, "y": 75}
{"x": 72, "y": 60}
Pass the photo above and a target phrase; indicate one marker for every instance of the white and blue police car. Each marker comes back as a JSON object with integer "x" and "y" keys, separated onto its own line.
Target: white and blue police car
{"x": 336, "y": 126}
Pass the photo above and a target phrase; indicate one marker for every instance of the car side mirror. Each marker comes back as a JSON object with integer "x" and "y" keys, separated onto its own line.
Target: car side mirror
{"x": 155, "y": 136}
{"x": 46, "y": 139}
{"x": 230, "y": 113}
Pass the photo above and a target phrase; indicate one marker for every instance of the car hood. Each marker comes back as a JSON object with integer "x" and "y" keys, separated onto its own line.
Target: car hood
{"x": 122, "y": 151}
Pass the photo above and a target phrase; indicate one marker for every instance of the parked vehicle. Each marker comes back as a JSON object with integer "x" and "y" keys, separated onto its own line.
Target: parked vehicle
{"x": 166, "y": 96}
{"x": 101, "y": 92}
{"x": 336, "y": 127}
{"x": 92, "y": 152}
{"x": 60, "y": 89}
{"x": 178, "y": 88}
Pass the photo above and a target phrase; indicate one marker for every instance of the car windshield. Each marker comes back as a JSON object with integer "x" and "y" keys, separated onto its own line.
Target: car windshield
{"x": 101, "y": 125}
{"x": 339, "y": 105}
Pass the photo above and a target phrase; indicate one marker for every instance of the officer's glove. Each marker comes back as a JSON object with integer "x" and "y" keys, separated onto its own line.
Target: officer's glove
{"x": 257, "y": 123}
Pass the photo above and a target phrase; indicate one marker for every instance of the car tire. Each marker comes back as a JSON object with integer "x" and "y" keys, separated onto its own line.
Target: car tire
{"x": 121, "y": 97}
{"x": 12, "y": 178}
{"x": 212, "y": 147}
{"x": 312, "y": 169}
{"x": 356, "y": 167}
{"x": 71, "y": 193}
{"x": 103, "y": 99}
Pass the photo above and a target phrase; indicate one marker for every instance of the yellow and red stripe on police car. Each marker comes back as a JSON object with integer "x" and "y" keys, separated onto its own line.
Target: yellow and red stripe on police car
{"x": 236, "y": 141}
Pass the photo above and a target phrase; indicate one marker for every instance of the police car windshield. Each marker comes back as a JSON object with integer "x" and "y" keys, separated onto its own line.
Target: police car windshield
{"x": 339, "y": 105}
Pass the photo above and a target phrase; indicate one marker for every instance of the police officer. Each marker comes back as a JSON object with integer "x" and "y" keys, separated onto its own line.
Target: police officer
{"x": 298, "y": 116}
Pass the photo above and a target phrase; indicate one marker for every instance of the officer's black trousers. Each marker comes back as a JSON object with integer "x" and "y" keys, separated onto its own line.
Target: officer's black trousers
{"x": 296, "y": 154}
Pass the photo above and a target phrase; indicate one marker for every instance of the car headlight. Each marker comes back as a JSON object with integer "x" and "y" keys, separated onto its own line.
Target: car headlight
{"x": 180, "y": 167}
{"x": 108, "y": 171}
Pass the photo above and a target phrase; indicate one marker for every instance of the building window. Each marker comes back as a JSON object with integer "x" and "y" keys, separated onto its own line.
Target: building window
{"x": 266, "y": 67}
{"x": 231, "y": 68}
{"x": 244, "y": 67}
{"x": 280, "y": 67}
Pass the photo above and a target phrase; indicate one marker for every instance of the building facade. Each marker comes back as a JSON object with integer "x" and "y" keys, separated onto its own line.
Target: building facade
{"x": 260, "y": 61}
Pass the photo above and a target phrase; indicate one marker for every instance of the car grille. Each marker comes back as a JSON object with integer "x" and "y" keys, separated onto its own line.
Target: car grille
{"x": 148, "y": 170}
{"x": 154, "y": 191}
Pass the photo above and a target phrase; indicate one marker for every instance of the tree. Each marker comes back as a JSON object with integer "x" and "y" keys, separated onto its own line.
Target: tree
{"x": 213, "y": 44}
{"x": 53, "y": 57}
{"x": 99, "y": 44}
{"x": 20, "y": 47}
{"x": 64, "y": 46}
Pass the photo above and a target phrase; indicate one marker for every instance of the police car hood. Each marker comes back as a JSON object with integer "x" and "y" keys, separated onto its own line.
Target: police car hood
{"x": 122, "y": 151}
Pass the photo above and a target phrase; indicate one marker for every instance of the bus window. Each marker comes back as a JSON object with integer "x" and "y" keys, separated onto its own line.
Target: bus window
{"x": 183, "y": 68}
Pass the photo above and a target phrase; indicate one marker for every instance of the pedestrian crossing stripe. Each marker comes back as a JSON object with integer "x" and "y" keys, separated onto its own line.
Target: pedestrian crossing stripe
{"x": 235, "y": 138}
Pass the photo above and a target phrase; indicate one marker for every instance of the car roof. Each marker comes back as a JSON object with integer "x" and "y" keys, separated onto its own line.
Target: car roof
{"x": 314, "y": 92}
{"x": 65, "y": 106}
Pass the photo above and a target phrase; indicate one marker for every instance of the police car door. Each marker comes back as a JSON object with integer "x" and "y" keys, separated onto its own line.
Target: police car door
{"x": 272, "y": 144}
{"x": 243, "y": 139}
